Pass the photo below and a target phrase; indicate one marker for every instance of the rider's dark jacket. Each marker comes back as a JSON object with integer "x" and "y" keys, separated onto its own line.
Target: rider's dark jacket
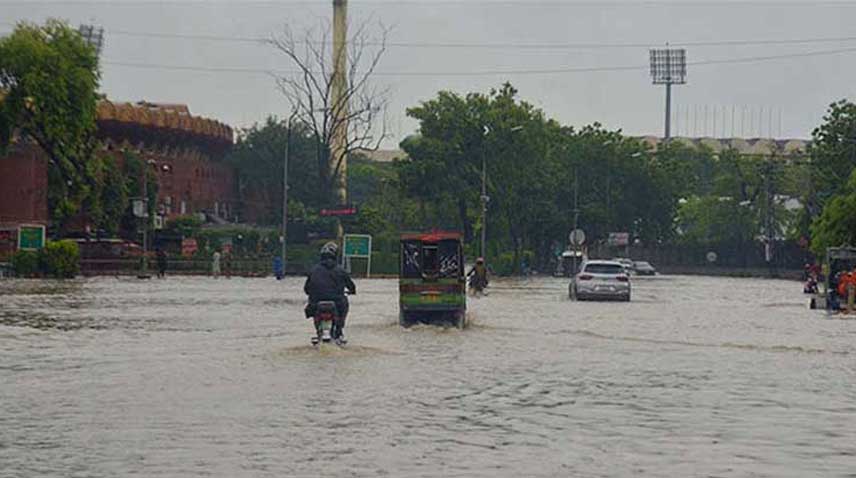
{"x": 327, "y": 281}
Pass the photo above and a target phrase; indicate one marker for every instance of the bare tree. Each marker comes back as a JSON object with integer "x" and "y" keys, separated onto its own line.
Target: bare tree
{"x": 357, "y": 114}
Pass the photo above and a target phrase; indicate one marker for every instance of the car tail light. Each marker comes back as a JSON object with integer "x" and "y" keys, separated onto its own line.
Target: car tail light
{"x": 586, "y": 277}
{"x": 623, "y": 279}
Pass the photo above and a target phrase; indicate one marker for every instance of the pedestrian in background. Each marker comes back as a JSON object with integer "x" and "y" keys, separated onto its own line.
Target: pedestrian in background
{"x": 162, "y": 262}
{"x": 215, "y": 264}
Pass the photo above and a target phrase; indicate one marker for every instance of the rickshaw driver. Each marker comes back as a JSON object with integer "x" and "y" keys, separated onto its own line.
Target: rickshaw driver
{"x": 328, "y": 281}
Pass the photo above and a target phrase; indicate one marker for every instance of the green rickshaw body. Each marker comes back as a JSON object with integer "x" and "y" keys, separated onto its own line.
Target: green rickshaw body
{"x": 432, "y": 286}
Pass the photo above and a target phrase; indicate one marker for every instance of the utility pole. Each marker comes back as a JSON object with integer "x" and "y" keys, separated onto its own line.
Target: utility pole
{"x": 768, "y": 216}
{"x": 484, "y": 199}
{"x": 339, "y": 105}
{"x": 285, "y": 191}
{"x": 144, "y": 264}
{"x": 576, "y": 216}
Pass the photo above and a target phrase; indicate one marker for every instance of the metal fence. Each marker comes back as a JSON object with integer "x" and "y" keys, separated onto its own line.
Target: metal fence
{"x": 241, "y": 267}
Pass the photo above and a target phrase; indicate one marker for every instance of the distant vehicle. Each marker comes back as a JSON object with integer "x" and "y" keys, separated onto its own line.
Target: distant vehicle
{"x": 569, "y": 259}
{"x": 601, "y": 280}
{"x": 839, "y": 260}
{"x": 626, "y": 263}
{"x": 644, "y": 268}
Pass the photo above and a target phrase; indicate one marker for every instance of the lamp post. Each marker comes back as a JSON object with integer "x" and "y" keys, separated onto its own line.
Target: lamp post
{"x": 484, "y": 197}
{"x": 285, "y": 187}
{"x": 668, "y": 67}
{"x": 144, "y": 265}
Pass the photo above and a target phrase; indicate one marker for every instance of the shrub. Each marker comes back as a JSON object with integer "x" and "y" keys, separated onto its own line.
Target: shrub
{"x": 60, "y": 259}
{"x": 504, "y": 264}
{"x": 25, "y": 263}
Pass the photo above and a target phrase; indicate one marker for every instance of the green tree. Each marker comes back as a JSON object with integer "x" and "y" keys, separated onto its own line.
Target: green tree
{"x": 258, "y": 158}
{"x": 49, "y": 76}
{"x": 836, "y": 226}
{"x": 832, "y": 154}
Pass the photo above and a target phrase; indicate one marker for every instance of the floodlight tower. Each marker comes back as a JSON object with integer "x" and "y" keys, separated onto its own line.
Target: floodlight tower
{"x": 669, "y": 67}
{"x": 94, "y": 36}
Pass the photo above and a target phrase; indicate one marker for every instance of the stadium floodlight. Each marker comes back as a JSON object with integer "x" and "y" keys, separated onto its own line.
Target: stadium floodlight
{"x": 669, "y": 67}
{"x": 94, "y": 36}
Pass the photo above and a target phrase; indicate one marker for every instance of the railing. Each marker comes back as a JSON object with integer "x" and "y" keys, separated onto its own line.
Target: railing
{"x": 235, "y": 267}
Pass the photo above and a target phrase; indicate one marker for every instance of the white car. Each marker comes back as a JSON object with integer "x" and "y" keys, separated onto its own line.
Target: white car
{"x": 598, "y": 279}
{"x": 629, "y": 266}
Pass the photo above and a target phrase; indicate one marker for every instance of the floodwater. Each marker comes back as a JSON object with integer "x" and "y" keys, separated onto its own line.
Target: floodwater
{"x": 189, "y": 377}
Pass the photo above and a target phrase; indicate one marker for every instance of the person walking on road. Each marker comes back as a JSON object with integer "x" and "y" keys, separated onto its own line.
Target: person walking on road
{"x": 162, "y": 262}
{"x": 215, "y": 264}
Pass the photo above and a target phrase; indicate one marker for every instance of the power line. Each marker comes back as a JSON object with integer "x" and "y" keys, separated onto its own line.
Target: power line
{"x": 557, "y": 46}
{"x": 754, "y": 59}
{"x": 503, "y": 46}
{"x": 509, "y": 46}
{"x": 465, "y": 3}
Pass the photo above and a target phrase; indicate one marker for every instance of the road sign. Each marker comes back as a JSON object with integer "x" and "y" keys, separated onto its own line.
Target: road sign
{"x": 619, "y": 238}
{"x": 31, "y": 237}
{"x": 358, "y": 245}
{"x": 340, "y": 211}
{"x": 577, "y": 237}
{"x": 139, "y": 208}
{"x": 189, "y": 247}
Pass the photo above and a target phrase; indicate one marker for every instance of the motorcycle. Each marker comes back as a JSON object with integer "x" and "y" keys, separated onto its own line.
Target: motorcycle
{"x": 327, "y": 325}
{"x": 810, "y": 286}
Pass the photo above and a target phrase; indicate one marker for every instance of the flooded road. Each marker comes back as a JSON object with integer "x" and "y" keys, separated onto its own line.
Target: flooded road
{"x": 200, "y": 377}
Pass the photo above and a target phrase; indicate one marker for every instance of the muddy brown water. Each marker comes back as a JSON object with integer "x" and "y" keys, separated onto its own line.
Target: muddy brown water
{"x": 194, "y": 376}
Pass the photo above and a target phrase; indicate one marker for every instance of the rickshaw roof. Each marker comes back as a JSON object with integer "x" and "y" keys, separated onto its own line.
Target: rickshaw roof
{"x": 434, "y": 236}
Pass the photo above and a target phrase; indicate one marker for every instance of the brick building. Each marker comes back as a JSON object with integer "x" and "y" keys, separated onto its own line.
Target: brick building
{"x": 185, "y": 150}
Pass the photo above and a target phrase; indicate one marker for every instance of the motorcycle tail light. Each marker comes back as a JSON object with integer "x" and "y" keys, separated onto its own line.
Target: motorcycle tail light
{"x": 586, "y": 277}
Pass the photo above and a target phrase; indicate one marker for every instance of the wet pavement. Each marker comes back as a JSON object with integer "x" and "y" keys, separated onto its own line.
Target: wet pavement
{"x": 181, "y": 377}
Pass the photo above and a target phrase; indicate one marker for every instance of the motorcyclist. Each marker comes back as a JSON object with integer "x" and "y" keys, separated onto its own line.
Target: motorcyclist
{"x": 478, "y": 274}
{"x": 328, "y": 281}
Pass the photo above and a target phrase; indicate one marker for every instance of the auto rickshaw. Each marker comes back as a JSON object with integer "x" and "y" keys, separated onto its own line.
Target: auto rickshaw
{"x": 432, "y": 287}
{"x": 839, "y": 260}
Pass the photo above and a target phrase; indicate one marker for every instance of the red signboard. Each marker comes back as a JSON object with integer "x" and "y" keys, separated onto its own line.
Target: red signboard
{"x": 340, "y": 211}
{"x": 188, "y": 247}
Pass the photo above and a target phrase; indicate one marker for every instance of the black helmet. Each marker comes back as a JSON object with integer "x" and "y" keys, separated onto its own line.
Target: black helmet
{"x": 330, "y": 249}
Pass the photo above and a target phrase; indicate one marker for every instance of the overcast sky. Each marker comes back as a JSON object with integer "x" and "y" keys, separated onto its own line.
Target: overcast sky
{"x": 783, "y": 97}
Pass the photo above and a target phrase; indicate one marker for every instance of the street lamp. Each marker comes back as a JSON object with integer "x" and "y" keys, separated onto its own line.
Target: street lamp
{"x": 484, "y": 197}
{"x": 145, "y": 263}
{"x": 285, "y": 186}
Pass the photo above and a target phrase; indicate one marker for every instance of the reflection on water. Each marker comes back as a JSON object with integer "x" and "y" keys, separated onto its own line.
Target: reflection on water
{"x": 196, "y": 377}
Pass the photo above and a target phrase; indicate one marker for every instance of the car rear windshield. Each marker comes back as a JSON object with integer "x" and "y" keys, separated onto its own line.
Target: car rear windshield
{"x": 604, "y": 269}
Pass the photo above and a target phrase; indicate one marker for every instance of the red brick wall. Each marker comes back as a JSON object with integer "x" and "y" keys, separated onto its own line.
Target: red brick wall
{"x": 23, "y": 186}
{"x": 201, "y": 184}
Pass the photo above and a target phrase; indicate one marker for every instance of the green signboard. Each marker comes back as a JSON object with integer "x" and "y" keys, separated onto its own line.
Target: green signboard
{"x": 31, "y": 237}
{"x": 357, "y": 245}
